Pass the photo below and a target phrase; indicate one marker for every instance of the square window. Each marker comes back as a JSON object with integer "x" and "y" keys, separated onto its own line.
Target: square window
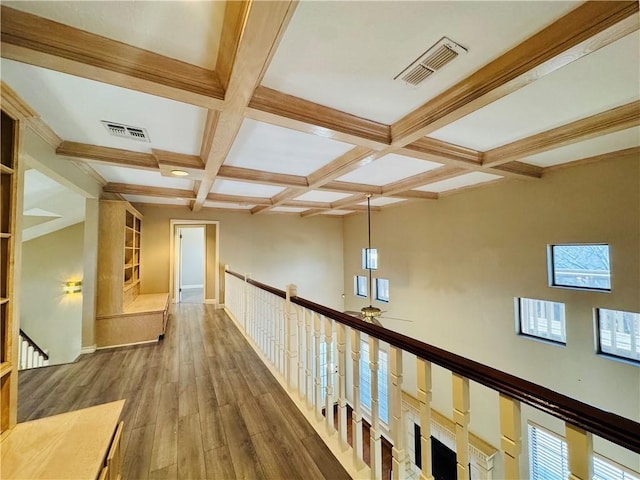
{"x": 541, "y": 319}
{"x": 583, "y": 267}
{"x": 369, "y": 258}
{"x": 618, "y": 333}
{"x": 382, "y": 289}
{"x": 360, "y": 286}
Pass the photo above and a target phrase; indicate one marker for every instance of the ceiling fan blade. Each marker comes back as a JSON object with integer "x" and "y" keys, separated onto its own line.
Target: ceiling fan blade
{"x": 354, "y": 314}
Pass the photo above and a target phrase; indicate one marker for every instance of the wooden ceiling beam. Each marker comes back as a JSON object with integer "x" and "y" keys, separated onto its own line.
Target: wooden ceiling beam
{"x": 147, "y": 191}
{"x": 239, "y": 199}
{"x": 38, "y": 41}
{"x": 349, "y": 161}
{"x": 617, "y": 155}
{"x": 235, "y": 16}
{"x": 349, "y": 187}
{"x": 259, "y": 176}
{"x": 582, "y": 31}
{"x": 107, "y": 155}
{"x": 614, "y": 120}
{"x": 416, "y": 194}
{"x": 263, "y": 27}
{"x": 432, "y": 176}
{"x": 270, "y": 106}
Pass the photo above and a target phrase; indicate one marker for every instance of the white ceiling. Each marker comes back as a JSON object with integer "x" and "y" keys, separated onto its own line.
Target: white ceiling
{"x": 275, "y": 149}
{"x": 48, "y": 206}
{"x": 322, "y": 196}
{"x": 466, "y": 180}
{"x": 590, "y": 85}
{"x": 346, "y": 54}
{"x": 159, "y": 200}
{"x": 73, "y": 107}
{"x": 187, "y": 31}
{"x": 231, "y": 187}
{"x": 140, "y": 177}
{"x": 388, "y": 169}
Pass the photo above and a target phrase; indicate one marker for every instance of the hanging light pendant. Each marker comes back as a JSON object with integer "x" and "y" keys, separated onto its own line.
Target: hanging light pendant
{"x": 370, "y": 263}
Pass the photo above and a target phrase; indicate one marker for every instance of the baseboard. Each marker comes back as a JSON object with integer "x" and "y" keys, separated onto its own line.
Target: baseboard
{"x": 210, "y": 301}
{"x": 90, "y": 349}
{"x": 127, "y": 344}
{"x": 220, "y": 306}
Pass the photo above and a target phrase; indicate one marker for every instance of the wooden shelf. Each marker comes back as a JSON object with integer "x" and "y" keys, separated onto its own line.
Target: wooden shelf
{"x": 5, "y": 235}
{"x": 5, "y": 368}
{"x": 131, "y": 284}
{"x": 5, "y": 169}
{"x": 3, "y": 300}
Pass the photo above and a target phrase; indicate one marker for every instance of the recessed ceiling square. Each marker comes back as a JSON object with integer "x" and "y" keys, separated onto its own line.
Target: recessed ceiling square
{"x": 382, "y": 201}
{"x": 465, "y": 180}
{"x": 389, "y": 169}
{"x": 231, "y": 187}
{"x": 322, "y": 196}
{"x": 261, "y": 146}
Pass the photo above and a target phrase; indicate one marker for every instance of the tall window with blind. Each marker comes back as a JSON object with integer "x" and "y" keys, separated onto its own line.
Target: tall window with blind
{"x": 548, "y": 459}
{"x": 365, "y": 381}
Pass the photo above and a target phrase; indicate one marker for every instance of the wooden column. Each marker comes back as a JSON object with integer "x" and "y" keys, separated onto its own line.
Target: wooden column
{"x": 328, "y": 349}
{"x": 580, "y": 451}
{"x": 317, "y": 397}
{"x": 356, "y": 416}
{"x": 510, "y": 431}
{"x": 398, "y": 434}
{"x": 461, "y": 419}
{"x": 424, "y": 396}
{"x": 375, "y": 440}
{"x": 342, "y": 386}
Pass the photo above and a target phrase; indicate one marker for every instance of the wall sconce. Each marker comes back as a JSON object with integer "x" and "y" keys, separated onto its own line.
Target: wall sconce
{"x": 73, "y": 287}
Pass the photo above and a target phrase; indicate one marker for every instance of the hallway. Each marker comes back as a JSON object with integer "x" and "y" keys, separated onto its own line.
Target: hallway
{"x": 200, "y": 404}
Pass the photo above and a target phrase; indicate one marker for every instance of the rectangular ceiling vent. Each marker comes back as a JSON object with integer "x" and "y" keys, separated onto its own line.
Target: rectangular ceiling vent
{"x": 439, "y": 55}
{"x": 126, "y": 131}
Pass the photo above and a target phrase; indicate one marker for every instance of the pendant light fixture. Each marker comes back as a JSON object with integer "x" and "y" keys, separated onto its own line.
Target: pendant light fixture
{"x": 370, "y": 263}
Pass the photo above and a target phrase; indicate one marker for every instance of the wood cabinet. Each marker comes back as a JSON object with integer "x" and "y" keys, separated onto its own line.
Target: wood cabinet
{"x": 9, "y": 137}
{"x": 123, "y": 315}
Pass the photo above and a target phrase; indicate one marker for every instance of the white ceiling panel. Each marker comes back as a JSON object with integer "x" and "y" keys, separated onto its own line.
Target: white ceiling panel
{"x": 598, "y": 82}
{"x": 359, "y": 47}
{"x": 187, "y": 31}
{"x": 382, "y": 201}
{"x": 73, "y": 107}
{"x": 140, "y": 177}
{"x": 322, "y": 196}
{"x": 231, "y": 187}
{"x": 465, "y": 180}
{"x": 288, "y": 209}
{"x": 234, "y": 206}
{"x": 158, "y": 200}
{"x": 275, "y": 149}
{"x": 589, "y": 148}
{"x": 389, "y": 169}
{"x": 337, "y": 212}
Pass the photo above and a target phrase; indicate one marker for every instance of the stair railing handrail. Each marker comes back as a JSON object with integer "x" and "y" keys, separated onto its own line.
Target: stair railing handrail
{"x": 35, "y": 346}
{"x": 610, "y": 426}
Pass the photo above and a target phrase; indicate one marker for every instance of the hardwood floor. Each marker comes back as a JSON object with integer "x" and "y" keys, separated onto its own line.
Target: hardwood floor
{"x": 200, "y": 404}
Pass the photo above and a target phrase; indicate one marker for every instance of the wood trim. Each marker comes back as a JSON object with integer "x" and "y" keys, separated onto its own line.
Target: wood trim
{"x": 44, "y": 131}
{"x": 617, "y": 155}
{"x": 432, "y": 176}
{"x": 127, "y": 189}
{"x": 107, "y": 155}
{"x": 353, "y": 199}
{"x": 270, "y": 106}
{"x": 584, "y": 30}
{"x": 516, "y": 169}
{"x": 12, "y": 104}
{"x": 263, "y": 28}
{"x": 607, "y": 425}
{"x": 235, "y": 15}
{"x": 349, "y": 161}
{"x": 348, "y": 187}
{"x": 38, "y": 41}
{"x": 259, "y": 176}
{"x": 442, "y": 152}
{"x": 312, "y": 212}
{"x": 180, "y": 160}
{"x": 241, "y": 199}
{"x": 416, "y": 194}
{"x": 210, "y": 125}
{"x": 279, "y": 199}
{"x": 616, "y": 119}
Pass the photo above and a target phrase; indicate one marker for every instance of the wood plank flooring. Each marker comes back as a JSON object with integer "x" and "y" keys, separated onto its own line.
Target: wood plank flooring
{"x": 200, "y": 404}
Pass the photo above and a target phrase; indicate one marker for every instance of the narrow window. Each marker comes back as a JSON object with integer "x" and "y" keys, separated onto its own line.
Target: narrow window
{"x": 369, "y": 258}
{"x": 382, "y": 289}
{"x": 360, "y": 286}
{"x": 582, "y": 267}
{"x": 541, "y": 319}
{"x": 618, "y": 333}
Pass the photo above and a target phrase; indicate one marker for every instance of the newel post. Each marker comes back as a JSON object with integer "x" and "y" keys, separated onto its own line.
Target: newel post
{"x": 580, "y": 452}
{"x": 511, "y": 441}
{"x": 290, "y": 333}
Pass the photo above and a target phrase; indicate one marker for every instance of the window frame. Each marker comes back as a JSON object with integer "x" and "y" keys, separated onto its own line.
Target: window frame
{"x": 369, "y": 258}
{"x": 552, "y": 273}
{"x": 598, "y": 338}
{"x": 356, "y": 286}
{"x": 519, "y": 322}
{"x": 378, "y": 298}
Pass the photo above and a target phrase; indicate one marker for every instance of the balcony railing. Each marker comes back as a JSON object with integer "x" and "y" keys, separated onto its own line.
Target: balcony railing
{"x": 288, "y": 332}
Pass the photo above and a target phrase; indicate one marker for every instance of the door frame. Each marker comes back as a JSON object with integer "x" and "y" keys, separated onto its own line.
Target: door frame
{"x": 174, "y": 223}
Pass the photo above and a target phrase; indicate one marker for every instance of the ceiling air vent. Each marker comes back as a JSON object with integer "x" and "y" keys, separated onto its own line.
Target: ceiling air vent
{"x": 126, "y": 131}
{"x": 443, "y": 52}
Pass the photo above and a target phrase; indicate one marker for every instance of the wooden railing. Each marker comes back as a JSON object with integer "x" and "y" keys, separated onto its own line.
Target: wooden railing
{"x": 30, "y": 353}
{"x": 290, "y": 331}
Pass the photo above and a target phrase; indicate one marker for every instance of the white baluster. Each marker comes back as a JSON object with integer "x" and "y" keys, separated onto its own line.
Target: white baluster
{"x": 397, "y": 424}
{"x": 356, "y": 414}
{"x": 291, "y": 326}
{"x": 376, "y": 436}
{"x": 510, "y": 430}
{"x": 461, "y": 418}
{"x": 317, "y": 400}
{"x": 40, "y": 360}
{"x": 580, "y": 452}
{"x": 29, "y": 356}
{"x": 342, "y": 386}
{"x": 309, "y": 319}
{"x": 328, "y": 407}
{"x": 23, "y": 354}
{"x": 424, "y": 396}
{"x": 302, "y": 385}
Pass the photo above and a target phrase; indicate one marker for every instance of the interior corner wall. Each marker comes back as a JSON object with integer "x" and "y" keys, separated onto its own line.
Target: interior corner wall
{"x": 52, "y": 318}
{"x": 210, "y": 249}
{"x": 456, "y": 264}
{"x": 90, "y": 272}
{"x": 274, "y": 248}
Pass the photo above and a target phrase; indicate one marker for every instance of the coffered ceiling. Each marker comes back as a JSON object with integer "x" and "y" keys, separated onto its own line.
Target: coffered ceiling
{"x": 293, "y": 108}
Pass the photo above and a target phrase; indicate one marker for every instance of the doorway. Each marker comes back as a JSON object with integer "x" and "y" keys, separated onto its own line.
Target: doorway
{"x": 190, "y": 281}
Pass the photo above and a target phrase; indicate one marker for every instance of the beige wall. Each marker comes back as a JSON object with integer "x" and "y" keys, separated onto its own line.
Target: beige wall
{"x": 274, "y": 248}
{"x": 52, "y": 318}
{"x": 212, "y": 288}
{"x": 456, "y": 264}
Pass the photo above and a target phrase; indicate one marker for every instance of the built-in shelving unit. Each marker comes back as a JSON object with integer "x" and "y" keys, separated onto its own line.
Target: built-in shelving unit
{"x": 9, "y": 137}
